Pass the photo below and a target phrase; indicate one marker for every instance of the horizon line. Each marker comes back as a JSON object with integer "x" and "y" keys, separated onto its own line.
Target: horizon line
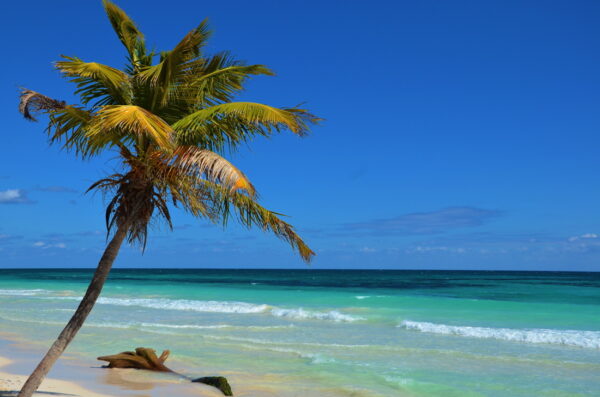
{"x": 306, "y": 269}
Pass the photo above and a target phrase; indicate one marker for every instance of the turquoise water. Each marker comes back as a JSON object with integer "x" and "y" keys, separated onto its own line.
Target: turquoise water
{"x": 335, "y": 333}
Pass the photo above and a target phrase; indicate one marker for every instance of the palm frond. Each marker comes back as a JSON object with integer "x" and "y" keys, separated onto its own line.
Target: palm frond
{"x": 202, "y": 163}
{"x": 130, "y": 123}
{"x": 33, "y": 102}
{"x": 70, "y": 126}
{"x": 209, "y": 81}
{"x": 162, "y": 75}
{"x": 232, "y": 123}
{"x": 184, "y": 190}
{"x": 123, "y": 26}
{"x": 218, "y": 86}
{"x": 250, "y": 213}
{"x": 102, "y": 83}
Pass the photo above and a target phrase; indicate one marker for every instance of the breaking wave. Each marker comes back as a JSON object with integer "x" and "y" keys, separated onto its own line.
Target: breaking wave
{"x": 190, "y": 305}
{"x": 22, "y": 292}
{"x": 586, "y": 339}
{"x": 216, "y": 326}
{"x": 301, "y": 314}
{"x": 232, "y": 307}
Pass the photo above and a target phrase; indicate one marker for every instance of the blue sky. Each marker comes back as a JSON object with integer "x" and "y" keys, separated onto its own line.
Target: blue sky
{"x": 458, "y": 135}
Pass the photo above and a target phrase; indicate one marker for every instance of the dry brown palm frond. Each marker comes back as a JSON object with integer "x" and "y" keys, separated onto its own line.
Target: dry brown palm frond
{"x": 204, "y": 163}
{"x": 32, "y": 102}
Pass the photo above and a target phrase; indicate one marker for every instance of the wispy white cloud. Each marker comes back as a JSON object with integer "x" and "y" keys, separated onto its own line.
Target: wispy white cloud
{"x": 46, "y": 245}
{"x": 14, "y": 196}
{"x": 422, "y": 249}
{"x": 8, "y": 237}
{"x": 90, "y": 233}
{"x": 585, "y": 236}
{"x": 367, "y": 250}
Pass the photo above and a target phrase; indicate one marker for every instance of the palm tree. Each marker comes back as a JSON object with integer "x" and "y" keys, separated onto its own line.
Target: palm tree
{"x": 169, "y": 123}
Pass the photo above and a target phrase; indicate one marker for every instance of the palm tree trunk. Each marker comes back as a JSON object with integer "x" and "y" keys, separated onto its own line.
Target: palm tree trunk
{"x": 84, "y": 308}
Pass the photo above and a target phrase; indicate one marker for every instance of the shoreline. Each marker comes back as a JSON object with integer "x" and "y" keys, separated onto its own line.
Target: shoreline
{"x": 17, "y": 359}
{"x": 74, "y": 376}
{"x": 10, "y": 384}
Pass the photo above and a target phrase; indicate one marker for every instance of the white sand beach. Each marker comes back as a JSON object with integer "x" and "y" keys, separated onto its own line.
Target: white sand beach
{"x": 75, "y": 376}
{"x": 10, "y": 384}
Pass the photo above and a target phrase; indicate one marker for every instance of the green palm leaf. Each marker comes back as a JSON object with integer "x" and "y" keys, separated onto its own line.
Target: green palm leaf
{"x": 163, "y": 75}
{"x": 97, "y": 82}
{"x": 236, "y": 122}
{"x": 131, "y": 124}
{"x": 250, "y": 213}
{"x": 69, "y": 125}
{"x": 123, "y": 26}
{"x": 215, "y": 80}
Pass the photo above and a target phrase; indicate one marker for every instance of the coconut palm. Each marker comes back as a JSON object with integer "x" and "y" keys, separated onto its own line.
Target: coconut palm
{"x": 169, "y": 122}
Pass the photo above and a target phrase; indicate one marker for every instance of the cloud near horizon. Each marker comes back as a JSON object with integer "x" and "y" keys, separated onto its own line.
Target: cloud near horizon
{"x": 46, "y": 245}
{"x": 432, "y": 222}
{"x": 14, "y": 196}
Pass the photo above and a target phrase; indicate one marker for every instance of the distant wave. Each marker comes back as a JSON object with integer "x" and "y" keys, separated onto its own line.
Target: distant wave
{"x": 22, "y": 292}
{"x": 270, "y": 342}
{"x": 315, "y": 358}
{"x": 301, "y": 314}
{"x": 190, "y": 305}
{"x": 216, "y": 326}
{"x": 587, "y": 339}
{"x": 223, "y": 307}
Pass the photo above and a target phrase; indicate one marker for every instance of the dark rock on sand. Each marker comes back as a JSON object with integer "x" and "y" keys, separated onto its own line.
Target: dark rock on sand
{"x": 216, "y": 381}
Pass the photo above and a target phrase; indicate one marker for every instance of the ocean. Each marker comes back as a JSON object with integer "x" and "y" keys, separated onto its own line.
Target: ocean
{"x": 334, "y": 333}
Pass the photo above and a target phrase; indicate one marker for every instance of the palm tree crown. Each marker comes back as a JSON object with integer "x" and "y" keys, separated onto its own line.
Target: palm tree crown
{"x": 170, "y": 122}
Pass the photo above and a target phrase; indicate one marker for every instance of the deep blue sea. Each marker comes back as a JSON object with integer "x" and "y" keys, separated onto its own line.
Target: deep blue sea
{"x": 333, "y": 333}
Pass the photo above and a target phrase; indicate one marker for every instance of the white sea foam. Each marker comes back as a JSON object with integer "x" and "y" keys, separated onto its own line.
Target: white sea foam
{"x": 190, "y": 305}
{"x": 301, "y": 314}
{"x": 398, "y": 381}
{"x": 215, "y": 326}
{"x": 586, "y": 339}
{"x": 22, "y": 292}
{"x": 270, "y": 342}
{"x": 185, "y": 326}
{"x": 361, "y": 297}
{"x": 223, "y": 307}
{"x": 180, "y": 304}
{"x": 110, "y": 325}
{"x": 315, "y": 358}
